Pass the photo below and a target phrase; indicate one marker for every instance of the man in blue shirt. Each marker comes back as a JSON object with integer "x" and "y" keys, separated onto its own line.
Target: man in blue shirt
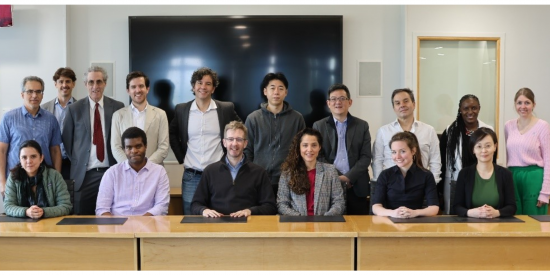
{"x": 28, "y": 122}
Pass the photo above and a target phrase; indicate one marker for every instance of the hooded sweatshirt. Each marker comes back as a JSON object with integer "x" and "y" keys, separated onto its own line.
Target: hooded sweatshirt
{"x": 270, "y": 136}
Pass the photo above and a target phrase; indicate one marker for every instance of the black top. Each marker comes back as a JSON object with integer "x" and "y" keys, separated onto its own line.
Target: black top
{"x": 394, "y": 191}
{"x": 465, "y": 188}
{"x": 251, "y": 189}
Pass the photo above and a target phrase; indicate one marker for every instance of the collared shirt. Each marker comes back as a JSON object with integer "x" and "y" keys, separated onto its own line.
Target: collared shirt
{"x": 19, "y": 125}
{"x": 93, "y": 162}
{"x": 393, "y": 190}
{"x": 234, "y": 170}
{"x": 341, "y": 160}
{"x": 204, "y": 145}
{"x": 429, "y": 147}
{"x": 59, "y": 113}
{"x": 125, "y": 192}
{"x": 138, "y": 116}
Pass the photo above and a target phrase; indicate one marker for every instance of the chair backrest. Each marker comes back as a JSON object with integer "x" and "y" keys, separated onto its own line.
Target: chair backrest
{"x": 70, "y": 188}
{"x": 372, "y": 187}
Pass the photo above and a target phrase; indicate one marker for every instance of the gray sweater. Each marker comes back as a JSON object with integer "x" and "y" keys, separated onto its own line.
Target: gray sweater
{"x": 270, "y": 136}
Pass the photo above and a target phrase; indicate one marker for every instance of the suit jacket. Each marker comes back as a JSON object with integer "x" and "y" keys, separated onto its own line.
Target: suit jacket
{"x": 50, "y": 105}
{"x": 465, "y": 189}
{"x": 328, "y": 195}
{"x": 358, "y": 146}
{"x": 180, "y": 123}
{"x": 155, "y": 127}
{"x": 77, "y": 135}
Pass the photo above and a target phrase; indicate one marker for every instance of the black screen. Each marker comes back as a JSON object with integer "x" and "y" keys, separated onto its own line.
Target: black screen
{"x": 242, "y": 50}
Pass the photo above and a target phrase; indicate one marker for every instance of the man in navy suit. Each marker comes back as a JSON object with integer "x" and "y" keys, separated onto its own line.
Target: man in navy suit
{"x": 347, "y": 145}
{"x": 196, "y": 131}
{"x": 86, "y": 137}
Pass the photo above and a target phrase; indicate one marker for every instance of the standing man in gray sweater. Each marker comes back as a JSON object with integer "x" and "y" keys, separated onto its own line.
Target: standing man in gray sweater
{"x": 272, "y": 127}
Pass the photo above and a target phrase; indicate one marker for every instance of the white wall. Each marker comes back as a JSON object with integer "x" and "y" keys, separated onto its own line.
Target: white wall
{"x": 35, "y": 45}
{"x": 525, "y": 57}
{"x": 100, "y": 33}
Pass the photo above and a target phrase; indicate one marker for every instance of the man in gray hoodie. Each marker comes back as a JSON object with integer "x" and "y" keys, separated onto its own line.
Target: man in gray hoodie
{"x": 272, "y": 127}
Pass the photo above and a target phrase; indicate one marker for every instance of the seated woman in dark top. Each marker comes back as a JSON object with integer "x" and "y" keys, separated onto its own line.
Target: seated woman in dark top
{"x": 401, "y": 189}
{"x": 484, "y": 190}
{"x": 34, "y": 190}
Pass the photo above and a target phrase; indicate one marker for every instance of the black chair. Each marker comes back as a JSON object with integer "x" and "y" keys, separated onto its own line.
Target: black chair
{"x": 372, "y": 187}
{"x": 70, "y": 188}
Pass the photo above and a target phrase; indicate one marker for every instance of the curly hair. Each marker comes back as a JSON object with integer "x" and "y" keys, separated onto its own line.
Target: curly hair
{"x": 294, "y": 164}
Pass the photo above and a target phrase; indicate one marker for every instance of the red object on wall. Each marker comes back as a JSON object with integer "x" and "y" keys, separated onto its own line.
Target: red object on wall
{"x": 5, "y": 16}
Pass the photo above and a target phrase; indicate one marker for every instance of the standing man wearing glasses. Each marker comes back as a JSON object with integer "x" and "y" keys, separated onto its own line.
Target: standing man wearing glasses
{"x": 272, "y": 128}
{"x": 347, "y": 145}
{"x": 234, "y": 186}
{"x": 28, "y": 122}
{"x": 196, "y": 131}
{"x": 86, "y": 136}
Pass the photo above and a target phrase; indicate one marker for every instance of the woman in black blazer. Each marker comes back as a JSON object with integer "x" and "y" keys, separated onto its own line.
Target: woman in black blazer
{"x": 484, "y": 190}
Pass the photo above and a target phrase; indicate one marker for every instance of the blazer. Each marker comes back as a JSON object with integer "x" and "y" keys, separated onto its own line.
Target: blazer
{"x": 50, "y": 105}
{"x": 465, "y": 189}
{"x": 77, "y": 135}
{"x": 180, "y": 123}
{"x": 155, "y": 127}
{"x": 358, "y": 147}
{"x": 328, "y": 197}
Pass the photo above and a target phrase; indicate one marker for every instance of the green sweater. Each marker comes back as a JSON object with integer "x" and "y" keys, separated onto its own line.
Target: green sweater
{"x": 56, "y": 194}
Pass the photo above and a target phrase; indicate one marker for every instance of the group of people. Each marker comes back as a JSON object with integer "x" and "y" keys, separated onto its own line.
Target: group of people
{"x": 269, "y": 164}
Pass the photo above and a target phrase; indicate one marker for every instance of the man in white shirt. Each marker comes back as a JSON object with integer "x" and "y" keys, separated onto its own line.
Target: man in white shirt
{"x": 140, "y": 114}
{"x": 403, "y": 105}
{"x": 196, "y": 131}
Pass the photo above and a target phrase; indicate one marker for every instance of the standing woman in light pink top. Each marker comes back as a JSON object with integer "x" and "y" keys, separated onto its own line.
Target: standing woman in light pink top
{"x": 528, "y": 153}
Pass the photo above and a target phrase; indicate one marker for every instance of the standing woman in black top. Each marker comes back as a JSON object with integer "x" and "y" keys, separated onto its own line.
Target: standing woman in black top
{"x": 454, "y": 147}
{"x": 401, "y": 189}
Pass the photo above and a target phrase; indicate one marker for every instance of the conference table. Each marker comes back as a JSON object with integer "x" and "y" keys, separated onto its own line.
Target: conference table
{"x": 264, "y": 243}
{"x": 384, "y": 245}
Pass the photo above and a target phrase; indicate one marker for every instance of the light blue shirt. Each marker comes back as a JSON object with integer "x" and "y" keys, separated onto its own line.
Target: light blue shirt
{"x": 341, "y": 161}
{"x": 234, "y": 170}
{"x": 59, "y": 113}
{"x": 19, "y": 125}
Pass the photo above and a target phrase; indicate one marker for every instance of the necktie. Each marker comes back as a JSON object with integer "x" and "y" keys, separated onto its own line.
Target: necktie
{"x": 98, "y": 135}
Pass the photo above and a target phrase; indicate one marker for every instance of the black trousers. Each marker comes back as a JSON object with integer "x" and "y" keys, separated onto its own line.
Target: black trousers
{"x": 86, "y": 197}
{"x": 66, "y": 169}
{"x": 356, "y": 205}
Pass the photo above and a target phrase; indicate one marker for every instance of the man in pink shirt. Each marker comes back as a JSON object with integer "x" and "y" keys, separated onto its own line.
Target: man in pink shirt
{"x": 136, "y": 186}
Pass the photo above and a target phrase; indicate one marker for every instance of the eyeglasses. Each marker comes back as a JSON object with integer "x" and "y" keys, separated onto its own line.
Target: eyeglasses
{"x": 37, "y": 92}
{"x": 238, "y": 140}
{"x": 341, "y": 99}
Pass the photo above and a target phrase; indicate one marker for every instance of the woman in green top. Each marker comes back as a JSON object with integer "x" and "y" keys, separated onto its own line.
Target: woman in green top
{"x": 484, "y": 190}
{"x": 33, "y": 189}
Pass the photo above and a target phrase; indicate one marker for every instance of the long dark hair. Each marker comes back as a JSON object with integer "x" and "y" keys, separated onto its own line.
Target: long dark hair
{"x": 17, "y": 171}
{"x": 412, "y": 142}
{"x": 455, "y": 132}
{"x": 294, "y": 164}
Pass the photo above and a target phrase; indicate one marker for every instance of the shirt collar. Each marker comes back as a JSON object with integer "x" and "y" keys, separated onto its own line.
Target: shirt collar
{"x": 71, "y": 100}
{"x": 126, "y": 166}
{"x": 412, "y": 169}
{"x": 336, "y": 121}
{"x": 136, "y": 109}
{"x": 239, "y": 164}
{"x": 395, "y": 123}
{"x": 92, "y": 103}
{"x": 25, "y": 112}
{"x": 212, "y": 105}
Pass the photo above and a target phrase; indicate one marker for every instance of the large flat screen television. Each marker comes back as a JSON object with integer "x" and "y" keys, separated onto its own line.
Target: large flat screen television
{"x": 242, "y": 50}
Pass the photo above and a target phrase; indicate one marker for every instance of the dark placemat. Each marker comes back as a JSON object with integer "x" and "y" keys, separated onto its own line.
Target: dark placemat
{"x": 13, "y": 219}
{"x": 224, "y": 219}
{"x": 434, "y": 219}
{"x": 88, "y": 221}
{"x": 541, "y": 218}
{"x": 454, "y": 219}
{"x": 312, "y": 219}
